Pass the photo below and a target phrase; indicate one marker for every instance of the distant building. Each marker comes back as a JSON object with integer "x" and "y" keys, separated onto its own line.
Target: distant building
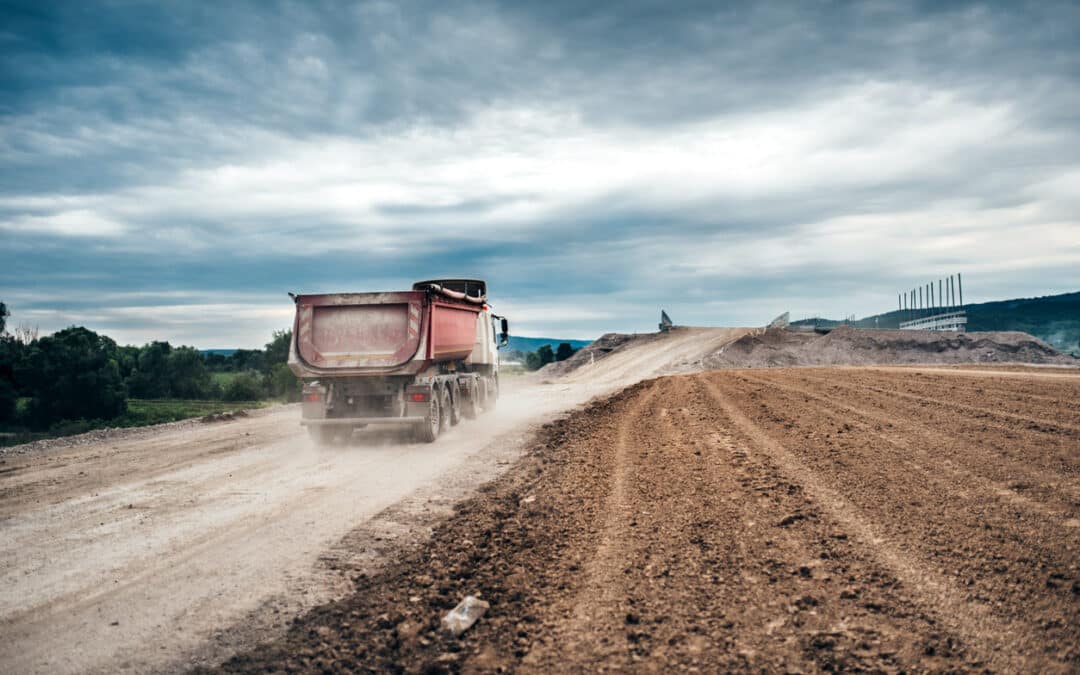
{"x": 954, "y": 321}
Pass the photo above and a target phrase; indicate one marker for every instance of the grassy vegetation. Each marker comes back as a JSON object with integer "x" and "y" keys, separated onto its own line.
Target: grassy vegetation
{"x": 143, "y": 412}
{"x": 140, "y": 413}
{"x": 223, "y": 379}
{"x": 76, "y": 380}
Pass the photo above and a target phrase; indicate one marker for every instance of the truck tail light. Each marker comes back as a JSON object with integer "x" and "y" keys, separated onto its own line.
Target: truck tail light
{"x": 313, "y": 397}
{"x": 418, "y": 397}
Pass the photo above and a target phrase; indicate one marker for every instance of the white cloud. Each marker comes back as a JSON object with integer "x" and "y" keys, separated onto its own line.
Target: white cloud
{"x": 202, "y": 325}
{"x": 512, "y": 168}
{"x": 72, "y": 223}
{"x": 707, "y": 200}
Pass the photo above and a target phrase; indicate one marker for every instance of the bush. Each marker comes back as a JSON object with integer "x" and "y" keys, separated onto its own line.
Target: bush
{"x": 188, "y": 377}
{"x": 283, "y": 383}
{"x": 540, "y": 358}
{"x": 246, "y": 386}
{"x": 564, "y": 351}
{"x": 9, "y": 398}
{"x": 72, "y": 427}
{"x": 74, "y": 374}
{"x": 149, "y": 377}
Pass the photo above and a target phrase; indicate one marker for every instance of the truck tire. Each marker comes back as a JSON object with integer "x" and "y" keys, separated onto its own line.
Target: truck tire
{"x": 455, "y": 405}
{"x": 492, "y": 395}
{"x": 429, "y": 429}
{"x": 448, "y": 409}
{"x": 470, "y": 406}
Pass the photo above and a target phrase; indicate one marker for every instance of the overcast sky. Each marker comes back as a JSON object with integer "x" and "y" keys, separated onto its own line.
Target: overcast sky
{"x": 171, "y": 170}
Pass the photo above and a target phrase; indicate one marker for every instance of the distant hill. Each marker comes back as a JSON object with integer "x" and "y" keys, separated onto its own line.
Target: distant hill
{"x": 521, "y": 343}
{"x": 1053, "y": 318}
{"x": 222, "y": 352}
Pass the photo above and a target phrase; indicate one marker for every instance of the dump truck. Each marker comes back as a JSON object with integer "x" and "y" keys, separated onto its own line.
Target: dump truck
{"x": 422, "y": 359}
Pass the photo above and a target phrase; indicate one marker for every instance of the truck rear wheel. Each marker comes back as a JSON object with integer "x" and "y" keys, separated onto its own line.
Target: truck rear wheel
{"x": 455, "y": 406}
{"x": 429, "y": 429}
{"x": 470, "y": 407}
{"x": 447, "y": 408}
{"x": 492, "y": 394}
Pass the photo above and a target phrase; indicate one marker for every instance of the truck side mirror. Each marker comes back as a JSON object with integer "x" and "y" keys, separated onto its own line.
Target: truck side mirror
{"x": 504, "y": 337}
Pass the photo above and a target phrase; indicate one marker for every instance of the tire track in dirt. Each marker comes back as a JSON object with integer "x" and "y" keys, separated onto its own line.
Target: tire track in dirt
{"x": 996, "y": 641}
{"x": 713, "y": 559}
{"x": 1031, "y": 399}
{"x": 1004, "y": 531}
{"x": 997, "y": 476}
{"x": 1039, "y": 424}
{"x": 1049, "y": 402}
{"x": 1001, "y": 372}
{"x": 599, "y": 595}
{"x": 1020, "y": 444}
{"x": 1019, "y": 567}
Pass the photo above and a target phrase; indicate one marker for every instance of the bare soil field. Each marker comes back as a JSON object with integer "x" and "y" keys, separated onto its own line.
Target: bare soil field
{"x": 783, "y": 520}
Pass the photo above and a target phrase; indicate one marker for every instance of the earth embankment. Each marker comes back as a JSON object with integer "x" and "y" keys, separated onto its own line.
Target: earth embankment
{"x": 852, "y": 346}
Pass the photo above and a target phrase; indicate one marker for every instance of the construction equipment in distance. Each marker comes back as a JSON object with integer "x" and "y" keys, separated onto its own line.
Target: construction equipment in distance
{"x": 665, "y": 322}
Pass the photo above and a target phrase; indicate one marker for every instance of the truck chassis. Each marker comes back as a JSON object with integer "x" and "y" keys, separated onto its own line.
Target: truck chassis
{"x": 428, "y": 404}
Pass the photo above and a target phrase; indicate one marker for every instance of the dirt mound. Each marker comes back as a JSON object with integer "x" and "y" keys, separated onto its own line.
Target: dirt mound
{"x": 852, "y": 346}
{"x": 597, "y": 350}
{"x": 223, "y": 416}
{"x": 620, "y": 359}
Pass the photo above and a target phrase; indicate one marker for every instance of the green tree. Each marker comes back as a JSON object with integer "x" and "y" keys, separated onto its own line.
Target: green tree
{"x": 216, "y": 363}
{"x": 280, "y": 381}
{"x": 128, "y": 359}
{"x": 540, "y": 358}
{"x": 9, "y": 399}
{"x": 187, "y": 374}
{"x": 74, "y": 374}
{"x": 247, "y": 359}
{"x": 532, "y": 361}
{"x": 283, "y": 383}
{"x": 246, "y": 386}
{"x": 277, "y": 350}
{"x": 150, "y": 379}
{"x": 564, "y": 351}
{"x": 4, "y": 314}
{"x": 10, "y": 354}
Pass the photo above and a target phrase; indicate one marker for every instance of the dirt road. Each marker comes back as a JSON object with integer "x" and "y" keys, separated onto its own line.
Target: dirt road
{"x": 782, "y": 520}
{"x": 177, "y": 546}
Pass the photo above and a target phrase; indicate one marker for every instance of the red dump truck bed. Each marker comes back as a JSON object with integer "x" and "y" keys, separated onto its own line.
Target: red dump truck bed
{"x": 422, "y": 359}
{"x": 398, "y": 332}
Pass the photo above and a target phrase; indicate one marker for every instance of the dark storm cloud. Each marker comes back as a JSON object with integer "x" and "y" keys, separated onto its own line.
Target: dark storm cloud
{"x": 620, "y": 154}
